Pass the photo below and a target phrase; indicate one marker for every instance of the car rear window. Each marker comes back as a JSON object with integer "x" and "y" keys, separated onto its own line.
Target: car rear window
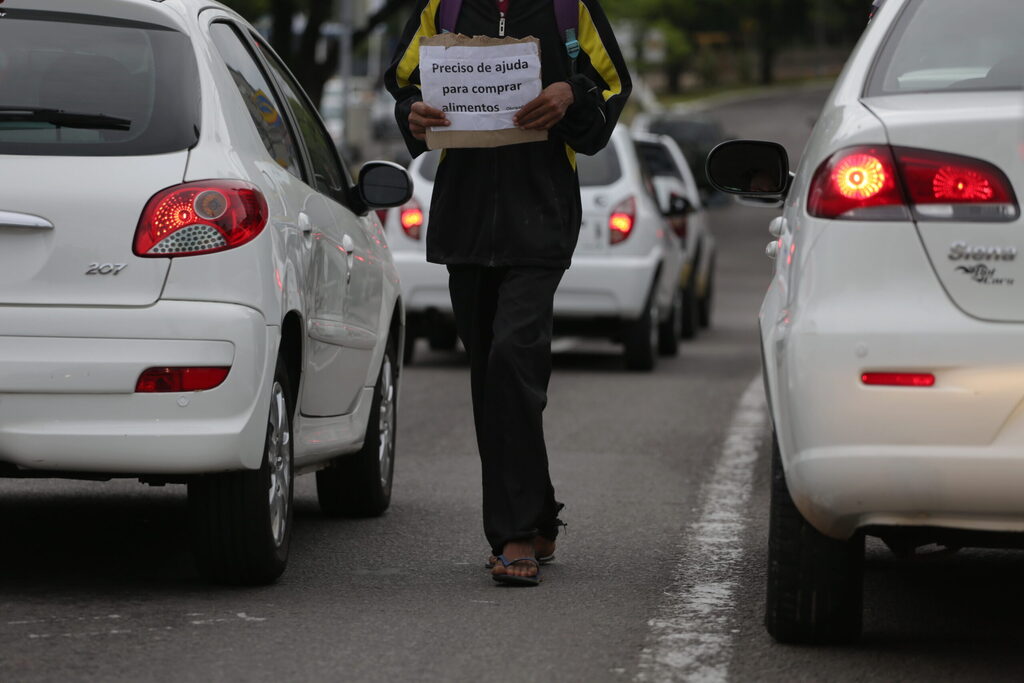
{"x": 657, "y": 160}
{"x": 601, "y": 169}
{"x": 952, "y": 45}
{"x": 79, "y": 85}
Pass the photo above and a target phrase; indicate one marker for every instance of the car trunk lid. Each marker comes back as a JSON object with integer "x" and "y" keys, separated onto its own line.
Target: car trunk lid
{"x": 980, "y": 263}
{"x": 67, "y": 239}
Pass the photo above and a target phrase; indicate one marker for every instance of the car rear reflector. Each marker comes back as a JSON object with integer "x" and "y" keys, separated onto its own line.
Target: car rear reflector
{"x": 200, "y": 218}
{"x": 898, "y": 379}
{"x": 164, "y": 380}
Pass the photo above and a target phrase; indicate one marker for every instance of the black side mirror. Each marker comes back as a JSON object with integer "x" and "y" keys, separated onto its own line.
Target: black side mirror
{"x": 750, "y": 168}
{"x": 383, "y": 184}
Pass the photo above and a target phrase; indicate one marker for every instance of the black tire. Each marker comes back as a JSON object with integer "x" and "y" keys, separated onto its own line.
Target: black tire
{"x": 641, "y": 339}
{"x": 239, "y": 535}
{"x": 690, "y": 322}
{"x": 704, "y": 305}
{"x": 669, "y": 330}
{"x": 443, "y": 336}
{"x": 359, "y": 484}
{"x": 815, "y": 583}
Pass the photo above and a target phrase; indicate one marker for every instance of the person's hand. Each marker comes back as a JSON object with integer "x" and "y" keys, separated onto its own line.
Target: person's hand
{"x": 422, "y": 117}
{"x": 548, "y": 109}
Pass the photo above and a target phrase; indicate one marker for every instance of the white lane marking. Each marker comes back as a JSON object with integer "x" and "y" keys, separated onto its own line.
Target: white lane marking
{"x": 691, "y": 638}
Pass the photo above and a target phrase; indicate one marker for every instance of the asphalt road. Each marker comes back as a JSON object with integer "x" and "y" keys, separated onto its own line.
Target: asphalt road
{"x": 659, "y": 577}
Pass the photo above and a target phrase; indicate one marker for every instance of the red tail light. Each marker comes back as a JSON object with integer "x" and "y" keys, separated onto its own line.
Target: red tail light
{"x": 879, "y": 183}
{"x": 858, "y": 183}
{"x": 412, "y": 219}
{"x": 950, "y": 187}
{"x": 622, "y": 220}
{"x": 164, "y": 380}
{"x": 200, "y": 218}
{"x": 898, "y": 379}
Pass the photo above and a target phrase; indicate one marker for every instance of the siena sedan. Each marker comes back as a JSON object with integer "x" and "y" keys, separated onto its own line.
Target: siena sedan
{"x": 893, "y": 328}
{"x": 192, "y": 288}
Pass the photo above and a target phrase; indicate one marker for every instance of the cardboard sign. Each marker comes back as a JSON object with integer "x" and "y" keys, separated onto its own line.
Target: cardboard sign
{"x": 480, "y": 83}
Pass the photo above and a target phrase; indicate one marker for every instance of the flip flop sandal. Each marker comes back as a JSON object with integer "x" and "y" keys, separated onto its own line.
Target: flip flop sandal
{"x": 546, "y": 559}
{"x": 511, "y": 580}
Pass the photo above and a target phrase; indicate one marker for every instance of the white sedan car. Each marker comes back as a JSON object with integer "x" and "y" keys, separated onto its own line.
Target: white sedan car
{"x": 892, "y": 330}
{"x": 192, "y": 289}
{"x": 629, "y": 271}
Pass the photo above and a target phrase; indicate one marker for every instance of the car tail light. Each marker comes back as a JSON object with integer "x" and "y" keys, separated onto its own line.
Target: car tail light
{"x": 164, "y": 380}
{"x": 898, "y": 379}
{"x": 200, "y": 218}
{"x": 622, "y": 220}
{"x": 879, "y": 183}
{"x": 951, "y": 187}
{"x": 412, "y": 219}
{"x": 858, "y": 183}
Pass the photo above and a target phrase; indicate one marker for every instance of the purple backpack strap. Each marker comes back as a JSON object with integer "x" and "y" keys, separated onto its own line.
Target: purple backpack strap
{"x": 449, "y": 15}
{"x": 567, "y": 17}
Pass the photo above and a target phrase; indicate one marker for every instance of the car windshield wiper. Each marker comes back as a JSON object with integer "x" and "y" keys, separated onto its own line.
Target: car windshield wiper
{"x": 63, "y": 119}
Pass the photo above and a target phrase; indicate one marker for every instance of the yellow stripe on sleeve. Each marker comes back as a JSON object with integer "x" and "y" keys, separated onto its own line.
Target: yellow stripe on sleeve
{"x": 411, "y": 58}
{"x": 571, "y": 154}
{"x": 590, "y": 41}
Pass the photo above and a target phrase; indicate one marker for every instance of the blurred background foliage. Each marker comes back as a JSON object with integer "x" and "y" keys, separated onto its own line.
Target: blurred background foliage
{"x": 678, "y": 44}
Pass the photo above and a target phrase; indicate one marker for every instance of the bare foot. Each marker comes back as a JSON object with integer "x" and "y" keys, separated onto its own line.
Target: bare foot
{"x": 515, "y": 550}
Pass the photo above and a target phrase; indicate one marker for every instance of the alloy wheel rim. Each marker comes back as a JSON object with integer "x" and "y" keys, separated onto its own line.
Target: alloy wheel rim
{"x": 386, "y": 424}
{"x": 280, "y": 464}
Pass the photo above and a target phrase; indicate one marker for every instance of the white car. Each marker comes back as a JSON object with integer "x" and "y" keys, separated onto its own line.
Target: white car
{"x": 192, "y": 289}
{"x": 893, "y": 327}
{"x": 624, "y": 282}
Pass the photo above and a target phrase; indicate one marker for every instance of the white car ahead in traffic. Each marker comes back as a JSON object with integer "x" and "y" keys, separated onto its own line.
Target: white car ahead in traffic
{"x": 630, "y": 271}
{"x": 192, "y": 289}
{"x": 893, "y": 328}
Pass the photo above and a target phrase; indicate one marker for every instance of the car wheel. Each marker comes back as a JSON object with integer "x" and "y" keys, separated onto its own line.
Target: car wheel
{"x": 690, "y": 322}
{"x": 359, "y": 485}
{"x": 815, "y": 583}
{"x": 669, "y": 330}
{"x": 641, "y": 339}
{"x": 704, "y": 305}
{"x": 242, "y": 521}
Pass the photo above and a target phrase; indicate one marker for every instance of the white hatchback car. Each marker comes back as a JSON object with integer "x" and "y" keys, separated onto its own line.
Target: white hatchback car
{"x": 192, "y": 289}
{"x": 892, "y": 330}
{"x": 626, "y": 273}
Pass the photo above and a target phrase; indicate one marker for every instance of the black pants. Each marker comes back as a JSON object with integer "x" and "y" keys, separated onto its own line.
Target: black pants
{"x": 504, "y": 318}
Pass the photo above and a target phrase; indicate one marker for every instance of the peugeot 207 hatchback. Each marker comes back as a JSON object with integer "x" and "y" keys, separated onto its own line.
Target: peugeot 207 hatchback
{"x": 893, "y": 330}
{"x": 192, "y": 289}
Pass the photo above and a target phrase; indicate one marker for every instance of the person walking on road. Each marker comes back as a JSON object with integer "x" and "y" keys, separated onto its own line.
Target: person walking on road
{"x": 506, "y": 221}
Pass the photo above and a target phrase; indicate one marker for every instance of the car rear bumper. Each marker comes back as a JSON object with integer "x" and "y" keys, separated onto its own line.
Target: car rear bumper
{"x": 949, "y": 455}
{"x": 67, "y": 403}
{"x": 424, "y": 285}
{"x": 606, "y": 286}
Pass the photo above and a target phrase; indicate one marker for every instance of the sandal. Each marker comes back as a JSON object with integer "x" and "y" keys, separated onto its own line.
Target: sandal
{"x": 492, "y": 561}
{"x": 511, "y": 580}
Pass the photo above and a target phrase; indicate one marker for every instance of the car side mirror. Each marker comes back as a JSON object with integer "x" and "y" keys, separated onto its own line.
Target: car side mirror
{"x": 679, "y": 206}
{"x": 753, "y": 169}
{"x": 668, "y": 191}
{"x": 383, "y": 185}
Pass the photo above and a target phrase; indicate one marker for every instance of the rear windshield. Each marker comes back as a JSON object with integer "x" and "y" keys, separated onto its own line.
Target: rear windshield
{"x": 953, "y": 45}
{"x": 78, "y": 85}
{"x": 601, "y": 169}
{"x": 657, "y": 160}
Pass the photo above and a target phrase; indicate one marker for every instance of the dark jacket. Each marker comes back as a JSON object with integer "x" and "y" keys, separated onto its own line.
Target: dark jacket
{"x": 517, "y": 205}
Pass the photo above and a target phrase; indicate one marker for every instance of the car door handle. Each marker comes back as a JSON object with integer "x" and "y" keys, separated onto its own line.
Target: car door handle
{"x": 778, "y": 226}
{"x": 305, "y": 225}
{"x": 10, "y": 219}
{"x": 350, "y": 248}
